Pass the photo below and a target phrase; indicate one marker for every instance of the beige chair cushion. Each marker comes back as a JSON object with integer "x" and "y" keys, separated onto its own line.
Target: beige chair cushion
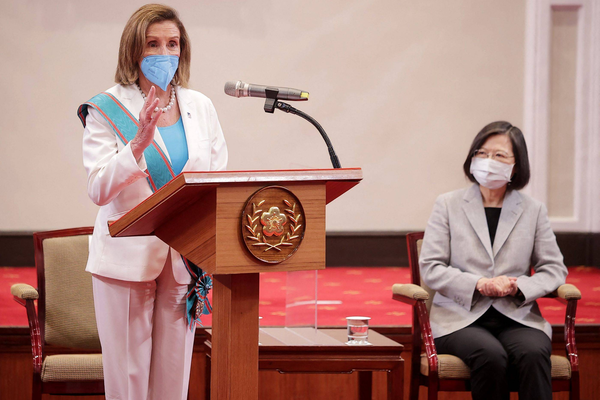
{"x": 70, "y": 317}
{"x": 72, "y": 367}
{"x": 561, "y": 367}
{"x": 451, "y": 367}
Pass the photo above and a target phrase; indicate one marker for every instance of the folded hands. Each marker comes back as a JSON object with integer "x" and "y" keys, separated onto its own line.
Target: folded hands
{"x": 499, "y": 286}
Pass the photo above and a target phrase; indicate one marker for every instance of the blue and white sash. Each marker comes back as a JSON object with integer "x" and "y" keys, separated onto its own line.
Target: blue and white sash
{"x": 160, "y": 171}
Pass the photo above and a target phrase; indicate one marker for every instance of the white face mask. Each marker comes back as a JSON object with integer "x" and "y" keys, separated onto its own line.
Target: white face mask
{"x": 490, "y": 173}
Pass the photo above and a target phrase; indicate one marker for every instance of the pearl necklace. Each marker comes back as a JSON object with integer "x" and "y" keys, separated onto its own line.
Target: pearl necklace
{"x": 171, "y": 101}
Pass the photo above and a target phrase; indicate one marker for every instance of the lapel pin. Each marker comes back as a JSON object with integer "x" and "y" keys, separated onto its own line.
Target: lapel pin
{"x": 189, "y": 115}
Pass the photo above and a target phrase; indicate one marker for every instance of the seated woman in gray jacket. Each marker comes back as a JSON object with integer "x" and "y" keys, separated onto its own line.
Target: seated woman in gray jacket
{"x": 479, "y": 247}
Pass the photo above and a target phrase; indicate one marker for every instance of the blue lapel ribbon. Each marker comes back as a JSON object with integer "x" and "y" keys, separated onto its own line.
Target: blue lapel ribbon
{"x": 125, "y": 126}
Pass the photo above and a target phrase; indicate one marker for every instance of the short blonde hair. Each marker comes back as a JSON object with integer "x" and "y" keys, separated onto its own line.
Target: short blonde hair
{"x": 133, "y": 41}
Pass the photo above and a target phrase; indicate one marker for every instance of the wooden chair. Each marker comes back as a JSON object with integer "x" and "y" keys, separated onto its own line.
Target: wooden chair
{"x": 65, "y": 316}
{"x": 444, "y": 372}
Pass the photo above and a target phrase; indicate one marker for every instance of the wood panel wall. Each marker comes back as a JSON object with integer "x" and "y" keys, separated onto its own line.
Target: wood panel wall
{"x": 16, "y": 370}
{"x": 344, "y": 249}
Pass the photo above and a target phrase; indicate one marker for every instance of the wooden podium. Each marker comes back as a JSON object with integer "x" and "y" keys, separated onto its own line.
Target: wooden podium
{"x": 202, "y": 216}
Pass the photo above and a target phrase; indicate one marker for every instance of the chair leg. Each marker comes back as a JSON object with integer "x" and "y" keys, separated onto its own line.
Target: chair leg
{"x": 574, "y": 392}
{"x": 432, "y": 389}
{"x": 432, "y": 393}
{"x": 36, "y": 388}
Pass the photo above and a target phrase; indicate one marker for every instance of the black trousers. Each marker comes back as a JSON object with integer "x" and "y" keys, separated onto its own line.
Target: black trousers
{"x": 502, "y": 354}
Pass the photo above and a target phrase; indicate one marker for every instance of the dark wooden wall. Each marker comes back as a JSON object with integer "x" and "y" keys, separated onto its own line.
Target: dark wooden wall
{"x": 348, "y": 249}
{"x": 16, "y": 369}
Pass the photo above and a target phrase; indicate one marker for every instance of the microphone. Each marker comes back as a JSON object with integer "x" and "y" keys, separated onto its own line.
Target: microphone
{"x": 243, "y": 89}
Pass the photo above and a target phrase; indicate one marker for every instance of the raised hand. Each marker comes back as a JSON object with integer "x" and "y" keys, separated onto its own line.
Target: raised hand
{"x": 148, "y": 120}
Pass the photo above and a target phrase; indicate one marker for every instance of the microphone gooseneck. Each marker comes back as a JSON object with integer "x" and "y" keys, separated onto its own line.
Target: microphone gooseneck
{"x": 289, "y": 109}
{"x": 272, "y": 95}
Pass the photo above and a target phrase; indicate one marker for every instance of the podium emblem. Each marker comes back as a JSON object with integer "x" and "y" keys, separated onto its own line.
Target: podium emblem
{"x": 273, "y": 224}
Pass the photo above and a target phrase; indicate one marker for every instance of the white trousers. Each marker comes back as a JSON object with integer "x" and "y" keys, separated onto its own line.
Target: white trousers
{"x": 146, "y": 345}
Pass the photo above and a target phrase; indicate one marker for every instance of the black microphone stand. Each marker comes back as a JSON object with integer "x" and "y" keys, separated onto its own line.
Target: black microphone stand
{"x": 272, "y": 103}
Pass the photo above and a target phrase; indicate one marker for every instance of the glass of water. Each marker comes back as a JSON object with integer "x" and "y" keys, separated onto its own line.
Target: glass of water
{"x": 358, "y": 331}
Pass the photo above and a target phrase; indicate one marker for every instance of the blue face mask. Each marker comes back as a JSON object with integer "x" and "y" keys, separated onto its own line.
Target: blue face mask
{"x": 160, "y": 69}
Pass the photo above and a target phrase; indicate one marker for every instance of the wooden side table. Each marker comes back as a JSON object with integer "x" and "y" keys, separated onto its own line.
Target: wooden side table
{"x": 306, "y": 350}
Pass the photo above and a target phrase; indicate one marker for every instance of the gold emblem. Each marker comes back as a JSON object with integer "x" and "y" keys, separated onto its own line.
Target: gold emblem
{"x": 273, "y": 224}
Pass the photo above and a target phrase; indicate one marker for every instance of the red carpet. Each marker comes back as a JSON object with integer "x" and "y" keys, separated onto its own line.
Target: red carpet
{"x": 342, "y": 292}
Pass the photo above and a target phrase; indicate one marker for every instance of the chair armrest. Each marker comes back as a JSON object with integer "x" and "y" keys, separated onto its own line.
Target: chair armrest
{"x": 568, "y": 292}
{"x": 409, "y": 292}
{"x": 25, "y": 295}
{"x": 24, "y": 291}
{"x": 565, "y": 292}
{"x": 416, "y": 296}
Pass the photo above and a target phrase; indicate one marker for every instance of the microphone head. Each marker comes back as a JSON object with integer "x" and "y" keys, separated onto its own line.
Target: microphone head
{"x": 231, "y": 88}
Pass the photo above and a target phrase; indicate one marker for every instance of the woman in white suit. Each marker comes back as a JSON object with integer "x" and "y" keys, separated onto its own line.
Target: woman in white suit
{"x": 477, "y": 253}
{"x": 140, "y": 284}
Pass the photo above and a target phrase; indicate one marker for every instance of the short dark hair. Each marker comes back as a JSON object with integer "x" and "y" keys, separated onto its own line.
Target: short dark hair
{"x": 522, "y": 171}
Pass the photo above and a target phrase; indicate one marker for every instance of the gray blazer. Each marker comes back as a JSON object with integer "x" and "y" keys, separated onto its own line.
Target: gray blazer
{"x": 457, "y": 252}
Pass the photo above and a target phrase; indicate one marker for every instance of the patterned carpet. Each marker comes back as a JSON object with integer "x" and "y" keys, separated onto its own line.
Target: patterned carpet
{"x": 342, "y": 292}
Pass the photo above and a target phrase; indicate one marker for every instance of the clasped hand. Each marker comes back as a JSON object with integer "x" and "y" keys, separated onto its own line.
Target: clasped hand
{"x": 499, "y": 286}
{"x": 148, "y": 120}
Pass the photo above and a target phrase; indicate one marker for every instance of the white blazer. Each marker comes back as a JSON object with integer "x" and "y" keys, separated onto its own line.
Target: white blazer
{"x": 457, "y": 252}
{"x": 116, "y": 182}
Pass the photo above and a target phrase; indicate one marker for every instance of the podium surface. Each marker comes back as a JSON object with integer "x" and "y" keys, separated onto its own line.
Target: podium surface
{"x": 222, "y": 222}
